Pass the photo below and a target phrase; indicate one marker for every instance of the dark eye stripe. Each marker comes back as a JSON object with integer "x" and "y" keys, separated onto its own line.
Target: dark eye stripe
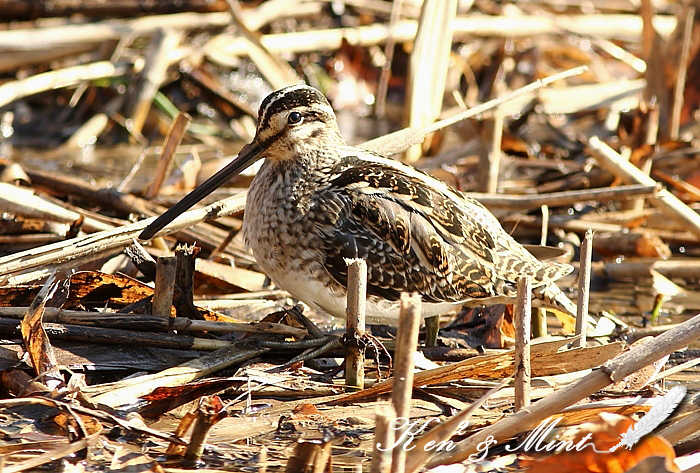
{"x": 288, "y": 99}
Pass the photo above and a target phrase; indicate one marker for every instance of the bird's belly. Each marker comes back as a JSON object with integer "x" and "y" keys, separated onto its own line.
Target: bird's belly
{"x": 320, "y": 295}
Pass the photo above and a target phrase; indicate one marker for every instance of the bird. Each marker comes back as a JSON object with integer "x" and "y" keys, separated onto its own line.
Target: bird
{"x": 317, "y": 201}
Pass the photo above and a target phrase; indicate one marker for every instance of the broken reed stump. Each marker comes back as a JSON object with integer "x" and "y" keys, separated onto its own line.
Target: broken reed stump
{"x": 402, "y": 383}
{"x": 166, "y": 269}
{"x": 432, "y": 329}
{"x": 584, "y": 289}
{"x": 184, "y": 282}
{"x": 383, "y": 439}
{"x": 538, "y": 325}
{"x": 523, "y": 309}
{"x": 355, "y": 322}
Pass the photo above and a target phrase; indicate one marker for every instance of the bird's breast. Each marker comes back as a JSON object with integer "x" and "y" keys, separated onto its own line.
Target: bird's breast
{"x": 278, "y": 226}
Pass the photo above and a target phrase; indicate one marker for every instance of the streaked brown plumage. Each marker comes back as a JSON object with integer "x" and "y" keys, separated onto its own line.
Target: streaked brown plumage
{"x": 316, "y": 201}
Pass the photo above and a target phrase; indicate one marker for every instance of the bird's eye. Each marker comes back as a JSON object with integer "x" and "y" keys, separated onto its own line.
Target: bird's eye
{"x": 294, "y": 118}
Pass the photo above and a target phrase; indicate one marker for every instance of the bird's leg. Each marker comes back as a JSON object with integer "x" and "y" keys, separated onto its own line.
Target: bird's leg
{"x": 378, "y": 348}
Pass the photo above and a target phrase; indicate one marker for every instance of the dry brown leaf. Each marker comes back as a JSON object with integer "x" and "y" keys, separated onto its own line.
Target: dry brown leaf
{"x": 36, "y": 341}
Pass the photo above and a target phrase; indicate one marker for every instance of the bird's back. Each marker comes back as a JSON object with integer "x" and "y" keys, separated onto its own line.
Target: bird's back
{"x": 416, "y": 234}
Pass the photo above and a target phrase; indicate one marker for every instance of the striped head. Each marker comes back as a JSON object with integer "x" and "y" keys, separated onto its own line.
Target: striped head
{"x": 295, "y": 121}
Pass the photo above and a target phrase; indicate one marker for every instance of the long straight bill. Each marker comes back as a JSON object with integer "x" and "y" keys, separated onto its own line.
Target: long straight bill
{"x": 247, "y": 156}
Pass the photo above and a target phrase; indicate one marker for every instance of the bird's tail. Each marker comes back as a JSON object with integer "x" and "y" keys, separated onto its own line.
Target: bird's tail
{"x": 551, "y": 297}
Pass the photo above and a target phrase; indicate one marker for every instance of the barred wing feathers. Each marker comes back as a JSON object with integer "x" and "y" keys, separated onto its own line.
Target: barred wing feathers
{"x": 417, "y": 234}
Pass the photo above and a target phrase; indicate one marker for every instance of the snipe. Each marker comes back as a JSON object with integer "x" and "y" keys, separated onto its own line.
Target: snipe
{"x": 316, "y": 201}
